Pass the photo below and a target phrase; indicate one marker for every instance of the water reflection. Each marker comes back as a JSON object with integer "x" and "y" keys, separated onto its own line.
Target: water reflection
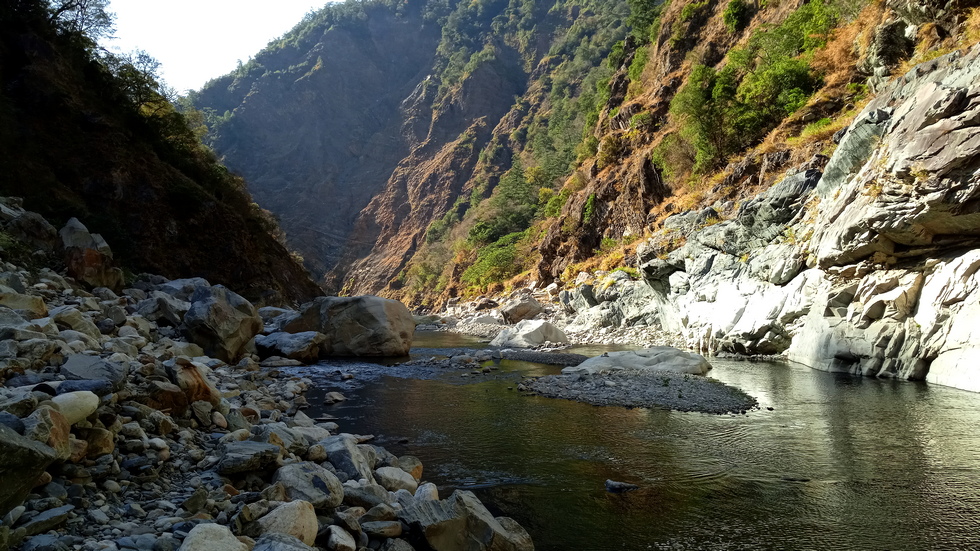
{"x": 839, "y": 462}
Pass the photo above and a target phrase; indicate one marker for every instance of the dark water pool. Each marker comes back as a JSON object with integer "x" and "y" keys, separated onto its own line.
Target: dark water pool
{"x": 838, "y": 463}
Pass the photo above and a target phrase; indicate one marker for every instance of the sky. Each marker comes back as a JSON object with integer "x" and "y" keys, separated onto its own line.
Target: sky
{"x": 197, "y": 40}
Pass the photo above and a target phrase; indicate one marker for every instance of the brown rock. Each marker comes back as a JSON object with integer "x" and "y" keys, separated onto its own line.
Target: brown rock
{"x": 164, "y": 396}
{"x": 195, "y": 385}
{"x": 79, "y": 449}
{"x": 100, "y": 442}
{"x": 219, "y": 420}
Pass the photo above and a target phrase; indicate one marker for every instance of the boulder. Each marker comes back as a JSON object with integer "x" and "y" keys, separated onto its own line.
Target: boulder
{"x": 280, "y": 542}
{"x": 163, "y": 309}
{"x": 356, "y": 326}
{"x": 310, "y": 482}
{"x": 247, "y": 457}
{"x": 48, "y": 426}
{"x": 193, "y": 382}
{"x": 183, "y": 289}
{"x": 661, "y": 358}
{"x": 339, "y": 539}
{"x": 394, "y": 479}
{"x": 212, "y": 537}
{"x": 305, "y": 347}
{"x": 520, "y": 309}
{"x": 342, "y": 452}
{"x": 73, "y": 318}
{"x": 529, "y": 333}
{"x": 76, "y": 406}
{"x": 462, "y": 523}
{"x": 17, "y": 301}
{"x": 163, "y": 396}
{"x": 88, "y": 257}
{"x": 22, "y": 461}
{"x": 382, "y": 529}
{"x": 296, "y": 518}
{"x": 221, "y": 322}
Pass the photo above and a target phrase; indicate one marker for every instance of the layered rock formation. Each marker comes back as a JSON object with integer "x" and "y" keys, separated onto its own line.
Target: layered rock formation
{"x": 867, "y": 267}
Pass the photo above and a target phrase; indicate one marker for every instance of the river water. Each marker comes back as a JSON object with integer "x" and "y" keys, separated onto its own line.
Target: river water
{"x": 839, "y": 462}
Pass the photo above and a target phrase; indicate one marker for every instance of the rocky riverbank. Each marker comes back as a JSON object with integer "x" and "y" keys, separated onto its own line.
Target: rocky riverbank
{"x": 154, "y": 416}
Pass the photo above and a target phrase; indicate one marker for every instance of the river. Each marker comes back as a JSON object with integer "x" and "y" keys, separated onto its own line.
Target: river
{"x": 838, "y": 462}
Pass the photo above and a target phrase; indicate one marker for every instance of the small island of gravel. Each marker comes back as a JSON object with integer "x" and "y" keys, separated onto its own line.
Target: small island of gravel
{"x": 647, "y": 389}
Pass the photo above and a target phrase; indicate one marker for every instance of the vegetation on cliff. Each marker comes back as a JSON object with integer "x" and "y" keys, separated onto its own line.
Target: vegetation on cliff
{"x": 87, "y": 134}
{"x": 535, "y": 138}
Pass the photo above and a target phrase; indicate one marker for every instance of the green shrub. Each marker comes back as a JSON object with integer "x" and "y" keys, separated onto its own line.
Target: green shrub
{"x": 736, "y": 15}
{"x": 496, "y": 262}
{"x": 588, "y": 211}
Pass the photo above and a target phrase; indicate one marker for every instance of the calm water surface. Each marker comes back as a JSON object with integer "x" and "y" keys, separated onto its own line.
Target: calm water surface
{"x": 838, "y": 463}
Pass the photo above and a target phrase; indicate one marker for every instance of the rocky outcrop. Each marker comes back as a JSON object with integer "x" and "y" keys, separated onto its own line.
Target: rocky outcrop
{"x": 869, "y": 267}
{"x": 356, "y": 326}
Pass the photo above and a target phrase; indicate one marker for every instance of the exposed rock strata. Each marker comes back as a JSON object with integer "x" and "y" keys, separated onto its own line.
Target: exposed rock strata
{"x": 869, "y": 267}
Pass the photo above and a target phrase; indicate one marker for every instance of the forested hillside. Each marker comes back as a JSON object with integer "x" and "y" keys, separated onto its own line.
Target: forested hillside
{"x": 513, "y": 141}
{"x": 90, "y": 135}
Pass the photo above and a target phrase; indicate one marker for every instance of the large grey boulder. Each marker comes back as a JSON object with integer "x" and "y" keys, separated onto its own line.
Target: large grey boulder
{"x": 529, "y": 333}
{"x": 356, "y": 326}
{"x": 310, "y": 482}
{"x": 520, "y": 309}
{"x": 661, "y": 358}
{"x": 342, "y": 452}
{"x": 305, "y": 347}
{"x": 462, "y": 523}
{"x": 221, "y": 322}
{"x": 163, "y": 308}
{"x": 247, "y": 457}
{"x": 82, "y": 367}
{"x": 22, "y": 461}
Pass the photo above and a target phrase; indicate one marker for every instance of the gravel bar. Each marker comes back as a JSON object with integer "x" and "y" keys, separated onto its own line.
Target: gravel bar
{"x": 661, "y": 389}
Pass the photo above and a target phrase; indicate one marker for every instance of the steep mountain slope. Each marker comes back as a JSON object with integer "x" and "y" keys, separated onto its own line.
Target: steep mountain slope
{"x": 357, "y": 183}
{"x": 78, "y": 140}
{"x": 533, "y": 139}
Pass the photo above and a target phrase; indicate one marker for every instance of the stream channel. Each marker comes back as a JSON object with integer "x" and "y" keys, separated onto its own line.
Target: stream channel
{"x": 839, "y": 462}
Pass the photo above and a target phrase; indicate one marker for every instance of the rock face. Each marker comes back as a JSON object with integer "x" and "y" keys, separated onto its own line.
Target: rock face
{"x": 869, "y": 267}
{"x": 663, "y": 358}
{"x": 356, "y": 326}
{"x": 529, "y": 333}
{"x": 221, "y": 322}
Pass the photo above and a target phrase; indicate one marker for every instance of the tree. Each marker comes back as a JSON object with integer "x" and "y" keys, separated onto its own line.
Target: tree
{"x": 88, "y": 17}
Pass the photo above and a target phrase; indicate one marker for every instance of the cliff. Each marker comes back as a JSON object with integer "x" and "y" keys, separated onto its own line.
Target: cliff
{"x": 370, "y": 121}
{"x": 75, "y": 142}
{"x": 868, "y": 266}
